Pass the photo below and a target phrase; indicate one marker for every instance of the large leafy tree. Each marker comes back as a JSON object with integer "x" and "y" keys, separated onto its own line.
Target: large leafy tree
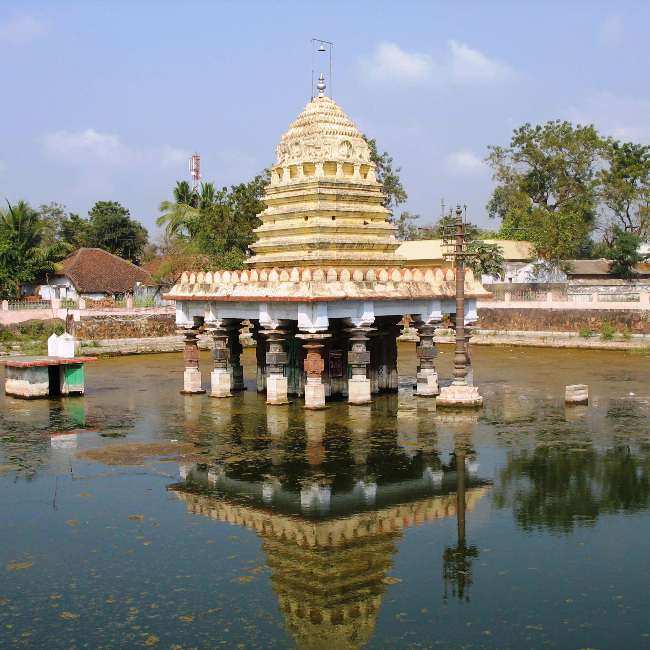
{"x": 624, "y": 253}
{"x": 388, "y": 176}
{"x": 547, "y": 188}
{"x": 25, "y": 253}
{"x": 625, "y": 190}
{"x": 111, "y": 227}
{"x": 64, "y": 228}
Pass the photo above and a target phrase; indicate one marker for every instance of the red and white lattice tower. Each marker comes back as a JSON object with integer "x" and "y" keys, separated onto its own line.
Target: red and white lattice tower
{"x": 195, "y": 170}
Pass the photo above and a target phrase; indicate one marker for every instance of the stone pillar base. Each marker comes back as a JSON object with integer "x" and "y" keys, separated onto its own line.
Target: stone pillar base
{"x": 192, "y": 382}
{"x": 277, "y": 388}
{"x": 427, "y": 383}
{"x": 314, "y": 394}
{"x": 459, "y": 396}
{"x": 577, "y": 394}
{"x": 237, "y": 378}
{"x": 220, "y": 383}
{"x": 358, "y": 390}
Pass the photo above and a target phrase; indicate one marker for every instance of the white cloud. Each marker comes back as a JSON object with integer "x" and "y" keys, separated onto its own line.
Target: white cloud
{"x": 99, "y": 163}
{"x": 470, "y": 65}
{"x": 465, "y": 162}
{"x": 392, "y": 62}
{"x": 457, "y": 64}
{"x": 21, "y": 30}
{"x": 87, "y": 146}
{"x": 611, "y": 30}
{"x": 107, "y": 150}
{"x": 622, "y": 117}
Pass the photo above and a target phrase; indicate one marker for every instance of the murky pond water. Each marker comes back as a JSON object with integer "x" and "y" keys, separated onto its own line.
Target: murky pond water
{"x": 136, "y": 517}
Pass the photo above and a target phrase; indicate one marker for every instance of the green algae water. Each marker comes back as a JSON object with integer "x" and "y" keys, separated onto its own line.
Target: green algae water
{"x": 138, "y": 517}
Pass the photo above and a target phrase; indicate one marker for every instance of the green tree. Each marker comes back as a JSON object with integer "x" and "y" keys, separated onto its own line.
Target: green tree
{"x": 625, "y": 189}
{"x": 487, "y": 259}
{"x": 67, "y": 229}
{"x": 406, "y": 228}
{"x": 624, "y": 253}
{"x": 24, "y": 253}
{"x": 394, "y": 191}
{"x": 547, "y": 188}
{"x": 216, "y": 226}
{"x": 111, "y": 227}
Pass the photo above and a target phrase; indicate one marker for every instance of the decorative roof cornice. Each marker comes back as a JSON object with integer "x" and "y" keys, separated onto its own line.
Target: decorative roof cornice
{"x": 307, "y": 284}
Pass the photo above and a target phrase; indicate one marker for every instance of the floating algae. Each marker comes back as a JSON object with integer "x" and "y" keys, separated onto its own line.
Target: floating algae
{"x": 135, "y": 453}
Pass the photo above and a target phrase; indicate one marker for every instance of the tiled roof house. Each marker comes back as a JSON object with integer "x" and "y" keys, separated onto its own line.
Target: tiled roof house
{"x": 94, "y": 273}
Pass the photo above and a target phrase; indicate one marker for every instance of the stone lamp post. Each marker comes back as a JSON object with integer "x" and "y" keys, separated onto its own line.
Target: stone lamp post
{"x": 460, "y": 393}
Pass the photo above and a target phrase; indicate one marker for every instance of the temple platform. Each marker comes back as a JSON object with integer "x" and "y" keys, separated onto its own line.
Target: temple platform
{"x": 44, "y": 376}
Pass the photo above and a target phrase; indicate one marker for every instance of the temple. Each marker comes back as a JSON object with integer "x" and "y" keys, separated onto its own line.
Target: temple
{"x": 324, "y": 289}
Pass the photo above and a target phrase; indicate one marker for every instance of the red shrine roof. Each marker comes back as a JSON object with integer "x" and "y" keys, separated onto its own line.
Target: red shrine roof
{"x": 33, "y": 362}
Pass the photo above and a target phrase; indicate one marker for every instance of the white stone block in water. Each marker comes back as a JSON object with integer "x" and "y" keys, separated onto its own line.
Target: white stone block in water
{"x": 576, "y": 394}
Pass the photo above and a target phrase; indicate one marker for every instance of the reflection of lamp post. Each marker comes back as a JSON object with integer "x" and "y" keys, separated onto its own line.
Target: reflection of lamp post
{"x": 457, "y": 560}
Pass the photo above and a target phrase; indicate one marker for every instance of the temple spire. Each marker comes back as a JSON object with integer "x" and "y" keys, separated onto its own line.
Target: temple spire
{"x": 321, "y": 85}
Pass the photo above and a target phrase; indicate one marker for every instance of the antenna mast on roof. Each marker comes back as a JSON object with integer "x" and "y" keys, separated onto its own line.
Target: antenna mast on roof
{"x": 195, "y": 170}
{"x": 319, "y": 46}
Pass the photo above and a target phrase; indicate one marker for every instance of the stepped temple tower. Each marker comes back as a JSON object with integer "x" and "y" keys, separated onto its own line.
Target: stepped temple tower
{"x": 324, "y": 288}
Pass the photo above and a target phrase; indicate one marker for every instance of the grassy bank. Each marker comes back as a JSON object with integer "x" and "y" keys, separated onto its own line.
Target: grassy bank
{"x": 29, "y": 337}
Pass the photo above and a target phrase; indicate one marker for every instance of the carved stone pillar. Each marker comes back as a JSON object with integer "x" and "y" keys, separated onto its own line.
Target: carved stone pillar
{"x": 192, "y": 374}
{"x": 276, "y": 359}
{"x": 314, "y": 366}
{"x": 358, "y": 360}
{"x": 235, "y": 349}
{"x": 469, "y": 378}
{"x": 220, "y": 380}
{"x": 427, "y": 377}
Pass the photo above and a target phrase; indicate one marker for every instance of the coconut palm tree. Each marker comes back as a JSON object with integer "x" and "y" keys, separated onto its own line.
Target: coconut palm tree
{"x": 180, "y": 216}
{"x": 23, "y": 257}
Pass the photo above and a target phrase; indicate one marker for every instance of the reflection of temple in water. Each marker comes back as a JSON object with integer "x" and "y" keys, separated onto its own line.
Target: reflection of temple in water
{"x": 330, "y": 520}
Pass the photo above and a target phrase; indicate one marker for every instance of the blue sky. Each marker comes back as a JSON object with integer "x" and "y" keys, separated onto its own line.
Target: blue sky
{"x": 106, "y": 100}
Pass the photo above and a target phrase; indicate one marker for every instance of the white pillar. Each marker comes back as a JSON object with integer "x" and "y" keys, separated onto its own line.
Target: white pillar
{"x": 427, "y": 376}
{"x": 358, "y": 358}
{"x": 277, "y": 387}
{"x": 192, "y": 375}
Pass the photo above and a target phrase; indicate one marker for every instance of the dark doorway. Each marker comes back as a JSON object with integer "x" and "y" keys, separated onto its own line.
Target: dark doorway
{"x": 54, "y": 378}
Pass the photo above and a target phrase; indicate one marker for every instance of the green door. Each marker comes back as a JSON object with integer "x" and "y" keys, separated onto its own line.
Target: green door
{"x": 73, "y": 376}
